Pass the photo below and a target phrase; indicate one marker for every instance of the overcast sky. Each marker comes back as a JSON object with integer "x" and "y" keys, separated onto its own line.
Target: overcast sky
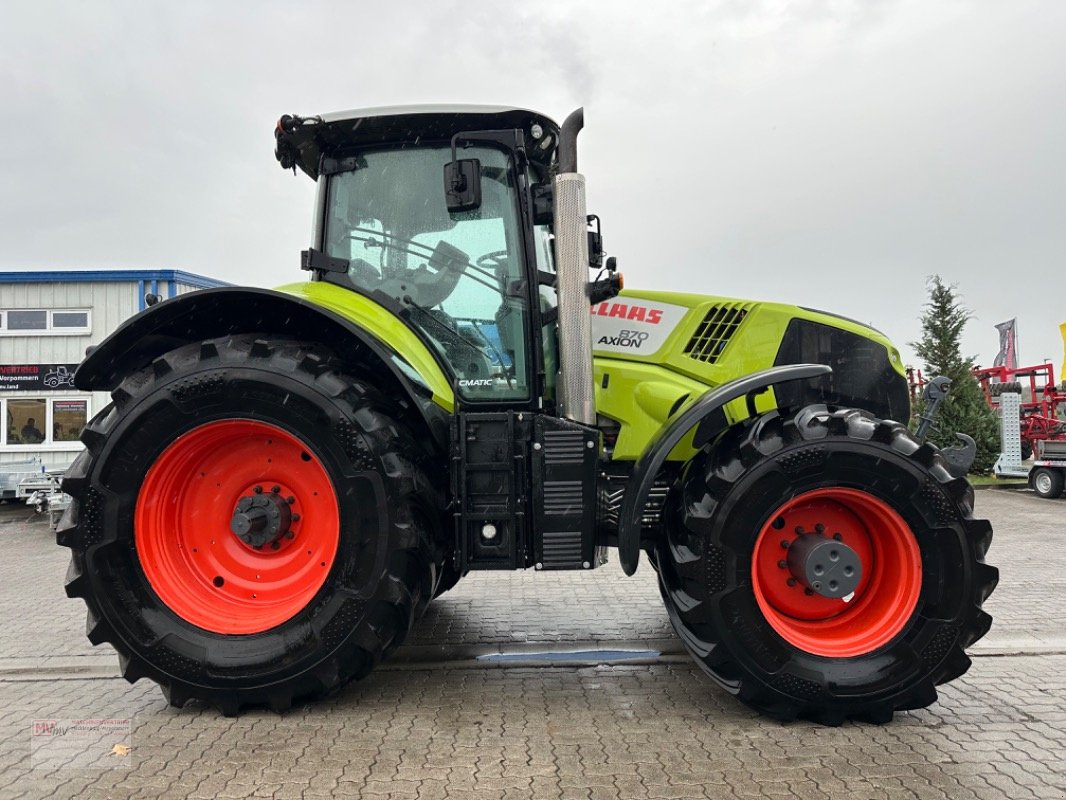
{"x": 831, "y": 154}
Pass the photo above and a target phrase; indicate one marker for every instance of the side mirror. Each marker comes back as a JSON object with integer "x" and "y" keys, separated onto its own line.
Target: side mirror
{"x": 595, "y": 242}
{"x": 462, "y": 184}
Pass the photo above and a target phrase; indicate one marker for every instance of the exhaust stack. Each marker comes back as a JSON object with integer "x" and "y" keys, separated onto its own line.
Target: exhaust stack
{"x": 575, "y": 386}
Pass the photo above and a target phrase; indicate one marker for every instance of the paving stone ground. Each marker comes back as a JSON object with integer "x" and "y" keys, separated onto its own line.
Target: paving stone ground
{"x": 460, "y": 729}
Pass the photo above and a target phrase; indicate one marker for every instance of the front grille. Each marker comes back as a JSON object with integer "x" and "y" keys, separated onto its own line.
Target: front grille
{"x": 714, "y": 332}
{"x": 862, "y": 375}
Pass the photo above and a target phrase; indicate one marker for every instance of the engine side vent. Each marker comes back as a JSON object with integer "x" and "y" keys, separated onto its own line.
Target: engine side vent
{"x": 563, "y": 447}
{"x": 714, "y": 332}
{"x": 563, "y": 497}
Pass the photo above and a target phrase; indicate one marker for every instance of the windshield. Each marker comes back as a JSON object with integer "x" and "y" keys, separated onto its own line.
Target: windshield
{"x": 458, "y": 276}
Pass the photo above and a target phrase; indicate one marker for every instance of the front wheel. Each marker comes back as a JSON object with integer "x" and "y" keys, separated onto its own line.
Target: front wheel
{"x": 825, "y": 565}
{"x": 250, "y": 524}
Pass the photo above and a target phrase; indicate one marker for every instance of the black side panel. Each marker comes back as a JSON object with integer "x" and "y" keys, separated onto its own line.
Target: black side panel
{"x": 524, "y": 489}
{"x": 861, "y": 378}
{"x": 490, "y": 487}
{"x": 565, "y": 457}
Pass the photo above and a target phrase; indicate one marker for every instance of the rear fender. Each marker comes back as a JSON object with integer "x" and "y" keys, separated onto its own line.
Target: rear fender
{"x": 704, "y": 409}
{"x": 211, "y": 313}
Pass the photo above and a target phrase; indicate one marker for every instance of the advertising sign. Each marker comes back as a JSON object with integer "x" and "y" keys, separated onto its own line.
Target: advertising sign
{"x": 37, "y": 377}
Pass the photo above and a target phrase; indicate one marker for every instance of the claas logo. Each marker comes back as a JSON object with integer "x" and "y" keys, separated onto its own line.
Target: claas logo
{"x": 628, "y": 311}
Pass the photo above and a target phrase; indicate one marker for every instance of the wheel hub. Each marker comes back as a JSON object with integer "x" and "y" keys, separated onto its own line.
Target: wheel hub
{"x": 825, "y": 566}
{"x": 261, "y": 519}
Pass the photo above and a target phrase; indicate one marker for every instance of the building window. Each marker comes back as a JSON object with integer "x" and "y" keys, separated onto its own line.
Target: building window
{"x": 39, "y": 421}
{"x": 68, "y": 418}
{"x": 27, "y": 320}
{"x": 37, "y": 321}
{"x": 26, "y": 421}
{"x": 70, "y": 319}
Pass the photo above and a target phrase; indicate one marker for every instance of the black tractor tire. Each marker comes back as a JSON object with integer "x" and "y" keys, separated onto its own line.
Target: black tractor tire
{"x": 1047, "y": 482}
{"x": 386, "y": 520}
{"x": 729, "y": 495}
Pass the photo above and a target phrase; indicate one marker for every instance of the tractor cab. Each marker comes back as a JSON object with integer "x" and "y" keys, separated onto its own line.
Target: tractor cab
{"x": 466, "y": 273}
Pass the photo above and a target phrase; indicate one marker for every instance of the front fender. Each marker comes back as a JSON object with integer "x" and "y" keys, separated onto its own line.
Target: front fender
{"x": 651, "y": 460}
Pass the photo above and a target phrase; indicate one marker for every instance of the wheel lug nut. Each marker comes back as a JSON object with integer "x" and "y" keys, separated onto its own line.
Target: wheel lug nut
{"x": 275, "y": 489}
{"x": 290, "y": 535}
{"x": 838, "y": 537}
{"x": 782, "y": 563}
{"x": 295, "y": 517}
{"x": 290, "y": 499}
{"x": 785, "y": 543}
{"x": 819, "y": 528}
{"x": 799, "y": 530}
{"x": 791, "y": 581}
{"x": 258, "y": 490}
{"x": 808, "y": 592}
{"x": 274, "y": 545}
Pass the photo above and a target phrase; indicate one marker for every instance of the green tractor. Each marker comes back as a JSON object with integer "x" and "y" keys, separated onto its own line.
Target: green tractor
{"x": 285, "y": 479}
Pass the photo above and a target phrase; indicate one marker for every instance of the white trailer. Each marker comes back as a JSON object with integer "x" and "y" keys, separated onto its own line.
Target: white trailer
{"x": 1047, "y": 471}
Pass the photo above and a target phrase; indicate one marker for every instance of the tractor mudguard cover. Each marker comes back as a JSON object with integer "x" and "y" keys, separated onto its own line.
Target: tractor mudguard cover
{"x": 654, "y": 455}
{"x": 212, "y": 313}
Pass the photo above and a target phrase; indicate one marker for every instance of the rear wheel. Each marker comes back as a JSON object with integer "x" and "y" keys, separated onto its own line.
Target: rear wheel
{"x": 1047, "y": 482}
{"x": 825, "y": 565}
{"x": 250, "y": 525}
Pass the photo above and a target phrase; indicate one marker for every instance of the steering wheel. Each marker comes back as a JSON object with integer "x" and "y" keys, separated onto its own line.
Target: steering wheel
{"x": 493, "y": 260}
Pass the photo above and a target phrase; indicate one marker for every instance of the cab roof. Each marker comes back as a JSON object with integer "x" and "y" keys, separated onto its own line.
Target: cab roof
{"x": 302, "y": 141}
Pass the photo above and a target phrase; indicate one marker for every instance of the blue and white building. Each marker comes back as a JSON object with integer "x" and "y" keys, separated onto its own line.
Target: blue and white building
{"x": 47, "y": 319}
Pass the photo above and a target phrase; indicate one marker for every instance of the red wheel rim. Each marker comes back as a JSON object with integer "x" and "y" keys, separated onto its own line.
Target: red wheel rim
{"x": 193, "y": 561}
{"x": 887, "y": 592}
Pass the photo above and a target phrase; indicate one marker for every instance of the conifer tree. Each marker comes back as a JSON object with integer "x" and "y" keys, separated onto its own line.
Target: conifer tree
{"x": 965, "y": 409}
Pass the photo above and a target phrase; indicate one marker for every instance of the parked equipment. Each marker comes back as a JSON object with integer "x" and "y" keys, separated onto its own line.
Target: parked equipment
{"x": 1047, "y": 471}
{"x": 1042, "y": 404}
{"x": 286, "y": 478}
{"x": 13, "y": 473}
{"x": 43, "y": 492}
{"x": 1042, "y": 410}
